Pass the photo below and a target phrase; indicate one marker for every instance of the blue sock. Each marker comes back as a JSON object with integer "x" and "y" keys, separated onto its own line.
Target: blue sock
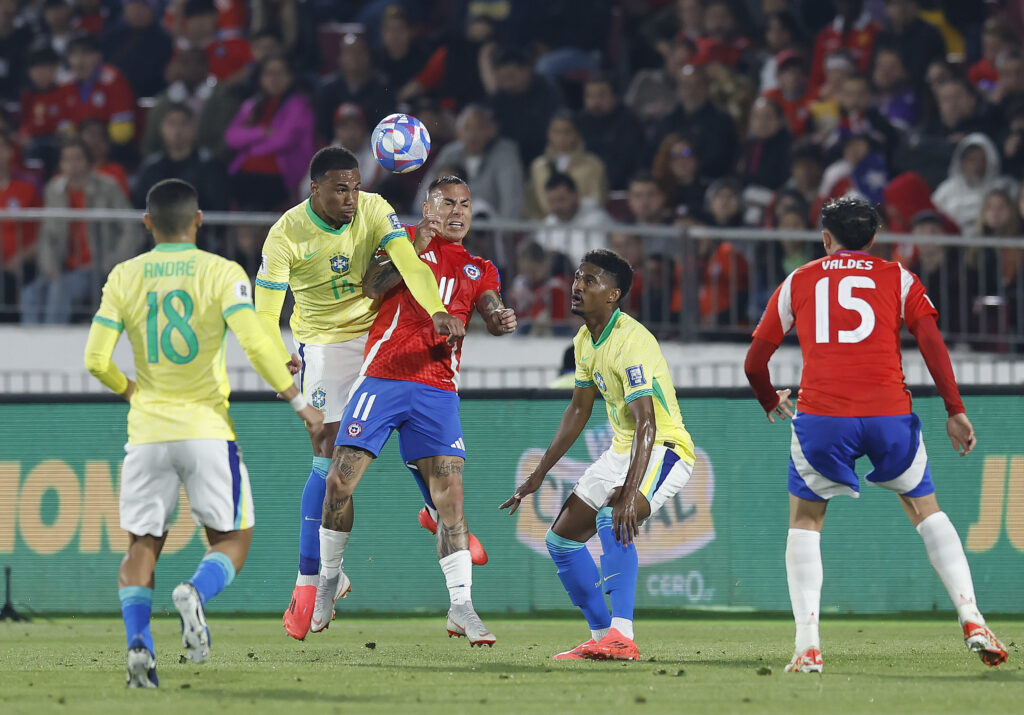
{"x": 579, "y": 575}
{"x": 136, "y": 606}
{"x": 213, "y": 575}
{"x": 312, "y": 512}
{"x": 423, "y": 487}
{"x": 619, "y": 565}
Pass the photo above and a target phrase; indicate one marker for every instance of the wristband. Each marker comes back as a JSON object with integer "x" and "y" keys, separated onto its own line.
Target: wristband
{"x": 298, "y": 402}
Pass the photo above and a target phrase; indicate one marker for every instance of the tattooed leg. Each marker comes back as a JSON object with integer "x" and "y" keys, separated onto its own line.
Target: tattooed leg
{"x": 347, "y": 467}
{"x": 444, "y": 479}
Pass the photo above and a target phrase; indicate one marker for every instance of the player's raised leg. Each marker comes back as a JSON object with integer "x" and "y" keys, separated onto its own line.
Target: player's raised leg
{"x": 428, "y": 518}
{"x": 444, "y": 480}
{"x": 135, "y": 590}
{"x": 804, "y": 575}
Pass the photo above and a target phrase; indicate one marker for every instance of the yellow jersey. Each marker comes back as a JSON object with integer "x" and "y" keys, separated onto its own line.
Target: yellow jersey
{"x": 175, "y": 302}
{"x": 324, "y": 268}
{"x": 626, "y": 363}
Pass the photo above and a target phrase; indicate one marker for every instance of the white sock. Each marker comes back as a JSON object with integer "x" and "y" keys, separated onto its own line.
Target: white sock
{"x": 623, "y": 626}
{"x": 332, "y": 550}
{"x": 949, "y": 561}
{"x": 304, "y": 579}
{"x": 458, "y": 576}
{"x": 599, "y": 633}
{"x": 804, "y": 574}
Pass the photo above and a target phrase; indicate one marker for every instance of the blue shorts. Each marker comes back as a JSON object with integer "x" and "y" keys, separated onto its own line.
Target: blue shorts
{"x": 823, "y": 451}
{"x": 427, "y": 419}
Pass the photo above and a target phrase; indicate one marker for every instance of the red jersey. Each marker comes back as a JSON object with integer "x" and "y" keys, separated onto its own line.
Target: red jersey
{"x": 108, "y": 97}
{"x": 848, "y": 309}
{"x": 858, "y": 40}
{"x": 16, "y": 237}
{"x": 43, "y": 114}
{"x": 402, "y": 344}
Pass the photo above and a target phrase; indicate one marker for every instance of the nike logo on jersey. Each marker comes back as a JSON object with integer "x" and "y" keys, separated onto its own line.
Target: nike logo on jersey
{"x": 584, "y": 359}
{"x": 310, "y": 255}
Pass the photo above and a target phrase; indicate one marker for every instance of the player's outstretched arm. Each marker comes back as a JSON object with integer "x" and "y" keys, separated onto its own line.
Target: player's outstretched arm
{"x": 420, "y": 281}
{"x": 574, "y": 419}
{"x": 499, "y": 319}
{"x": 624, "y": 523}
{"x": 99, "y": 350}
{"x": 381, "y": 275}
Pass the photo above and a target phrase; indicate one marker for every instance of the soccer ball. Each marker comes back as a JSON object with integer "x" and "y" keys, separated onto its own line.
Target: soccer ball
{"x": 400, "y": 143}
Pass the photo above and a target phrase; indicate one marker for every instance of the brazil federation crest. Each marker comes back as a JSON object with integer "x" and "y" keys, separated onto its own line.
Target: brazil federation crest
{"x": 471, "y": 271}
{"x": 318, "y": 398}
{"x": 600, "y": 382}
{"x": 339, "y": 263}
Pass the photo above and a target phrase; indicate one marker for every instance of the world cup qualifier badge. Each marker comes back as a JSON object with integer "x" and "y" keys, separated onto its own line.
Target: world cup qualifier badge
{"x": 339, "y": 263}
{"x": 354, "y": 429}
{"x": 318, "y": 398}
{"x": 471, "y": 271}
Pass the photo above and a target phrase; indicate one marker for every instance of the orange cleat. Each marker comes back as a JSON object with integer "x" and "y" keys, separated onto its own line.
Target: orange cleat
{"x": 299, "y": 612}
{"x": 614, "y": 646}
{"x": 984, "y": 642}
{"x": 476, "y": 549}
{"x": 575, "y": 653}
{"x": 807, "y": 662}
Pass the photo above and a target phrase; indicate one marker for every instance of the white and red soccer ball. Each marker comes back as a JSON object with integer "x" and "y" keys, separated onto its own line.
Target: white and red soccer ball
{"x": 400, "y": 143}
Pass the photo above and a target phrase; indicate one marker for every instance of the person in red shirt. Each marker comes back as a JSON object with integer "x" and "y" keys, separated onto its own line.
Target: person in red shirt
{"x": 231, "y": 17}
{"x": 410, "y": 384}
{"x": 44, "y": 105}
{"x": 792, "y": 93}
{"x": 17, "y": 238}
{"x": 541, "y": 298}
{"x": 852, "y": 30}
{"x": 94, "y": 133}
{"x": 100, "y": 91}
{"x": 848, "y": 308}
{"x": 229, "y": 54}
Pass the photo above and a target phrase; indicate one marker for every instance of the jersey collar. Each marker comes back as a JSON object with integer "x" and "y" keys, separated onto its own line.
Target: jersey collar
{"x": 607, "y": 329}
{"x": 321, "y": 224}
{"x": 173, "y": 247}
{"x": 859, "y": 253}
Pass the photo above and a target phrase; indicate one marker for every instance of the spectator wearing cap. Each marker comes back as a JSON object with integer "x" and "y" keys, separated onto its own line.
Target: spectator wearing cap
{"x": 676, "y": 167}
{"x": 918, "y": 42}
{"x": 764, "y": 159}
{"x": 522, "y": 101}
{"x": 565, "y": 154}
{"x": 782, "y": 31}
{"x": 602, "y": 123}
{"x": 974, "y": 170}
{"x": 894, "y": 96}
{"x": 272, "y": 135}
{"x": 15, "y": 39}
{"x": 44, "y": 105}
{"x": 490, "y": 162}
{"x": 400, "y": 56}
{"x": 353, "y": 82}
{"x": 852, "y": 30}
{"x": 228, "y": 55}
{"x": 352, "y": 132}
{"x": 181, "y": 158}
{"x": 792, "y": 93}
{"x": 139, "y": 47}
{"x": 652, "y": 91}
{"x": 695, "y": 116}
{"x": 17, "y": 239}
{"x": 574, "y": 223}
{"x": 100, "y": 91}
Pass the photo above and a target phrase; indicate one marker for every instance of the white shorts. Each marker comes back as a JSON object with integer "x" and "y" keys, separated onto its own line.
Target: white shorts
{"x": 667, "y": 473}
{"x": 215, "y": 479}
{"x": 328, "y": 372}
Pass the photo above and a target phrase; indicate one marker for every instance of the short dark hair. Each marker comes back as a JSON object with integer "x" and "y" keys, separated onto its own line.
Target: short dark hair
{"x": 511, "y": 55}
{"x": 446, "y": 180}
{"x": 557, "y": 179}
{"x": 644, "y": 177}
{"x": 172, "y": 205}
{"x": 195, "y": 8}
{"x": 41, "y": 53}
{"x": 613, "y": 263}
{"x": 74, "y": 141}
{"x": 84, "y": 42}
{"x": 331, "y": 158}
{"x": 179, "y": 107}
{"x": 600, "y": 78}
{"x": 851, "y": 221}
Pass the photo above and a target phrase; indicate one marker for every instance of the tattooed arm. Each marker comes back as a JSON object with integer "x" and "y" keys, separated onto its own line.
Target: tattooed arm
{"x": 499, "y": 319}
{"x": 381, "y": 275}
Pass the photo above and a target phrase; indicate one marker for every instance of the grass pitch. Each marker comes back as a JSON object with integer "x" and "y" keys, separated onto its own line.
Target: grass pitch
{"x": 694, "y": 664}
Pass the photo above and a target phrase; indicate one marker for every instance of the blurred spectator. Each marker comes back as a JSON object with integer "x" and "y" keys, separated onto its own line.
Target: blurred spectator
{"x": 603, "y": 123}
{"x": 352, "y": 132}
{"x": 918, "y": 42}
{"x": 791, "y": 92}
{"x": 711, "y": 128}
{"x": 782, "y": 32}
{"x": 861, "y": 171}
{"x": 961, "y": 110}
{"x": 996, "y": 38}
{"x": 353, "y": 82}
{"x": 973, "y": 172}
{"x": 569, "y": 36}
{"x": 101, "y": 91}
{"x": 44, "y": 106}
{"x": 806, "y": 169}
{"x": 939, "y": 269}
{"x": 90, "y": 16}
{"x": 894, "y": 97}
{"x": 15, "y": 38}
{"x": 764, "y": 160}
{"x": 93, "y": 133}
{"x": 181, "y": 158}
{"x": 227, "y": 53}
{"x": 565, "y": 154}
{"x": 724, "y": 272}
{"x": 230, "y": 17}
{"x": 1009, "y": 90}
{"x": 523, "y": 102}
{"x": 999, "y": 315}
{"x": 57, "y": 26}
{"x": 652, "y": 92}
{"x": 74, "y": 256}
{"x": 907, "y": 196}
{"x": 273, "y": 137}
{"x": 852, "y": 30}
{"x": 539, "y": 295}
{"x": 676, "y": 166}
{"x": 17, "y": 239}
{"x": 282, "y": 20}
{"x": 400, "y": 56}
{"x": 721, "y": 40}
{"x": 453, "y": 72}
{"x": 729, "y": 89}
{"x": 491, "y": 163}
{"x": 825, "y": 107}
{"x": 648, "y": 206}
{"x": 574, "y": 224}
{"x": 139, "y": 47}
{"x": 857, "y": 115}
{"x": 795, "y": 253}
{"x": 1013, "y": 141}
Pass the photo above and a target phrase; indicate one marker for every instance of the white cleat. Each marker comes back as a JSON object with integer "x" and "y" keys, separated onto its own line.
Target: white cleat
{"x": 463, "y": 621}
{"x": 807, "y": 662}
{"x": 195, "y": 636}
{"x": 141, "y": 668}
{"x": 328, "y": 591}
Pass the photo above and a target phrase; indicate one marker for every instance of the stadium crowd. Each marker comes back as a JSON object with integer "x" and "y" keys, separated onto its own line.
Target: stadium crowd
{"x": 572, "y": 113}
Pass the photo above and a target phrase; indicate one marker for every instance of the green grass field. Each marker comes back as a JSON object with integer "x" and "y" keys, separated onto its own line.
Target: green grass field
{"x": 694, "y": 664}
